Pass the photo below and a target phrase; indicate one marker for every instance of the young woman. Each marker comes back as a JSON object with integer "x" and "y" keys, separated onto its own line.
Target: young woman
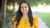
{"x": 24, "y": 18}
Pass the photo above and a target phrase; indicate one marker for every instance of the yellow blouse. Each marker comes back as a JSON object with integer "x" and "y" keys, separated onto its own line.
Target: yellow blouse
{"x": 24, "y": 23}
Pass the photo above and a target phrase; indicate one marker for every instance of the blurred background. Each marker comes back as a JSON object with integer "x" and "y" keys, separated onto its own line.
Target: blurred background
{"x": 8, "y": 9}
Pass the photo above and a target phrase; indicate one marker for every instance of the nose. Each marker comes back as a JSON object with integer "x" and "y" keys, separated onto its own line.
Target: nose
{"x": 24, "y": 9}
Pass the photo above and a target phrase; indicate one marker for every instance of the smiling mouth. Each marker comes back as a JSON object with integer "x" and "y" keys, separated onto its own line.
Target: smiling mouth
{"x": 25, "y": 10}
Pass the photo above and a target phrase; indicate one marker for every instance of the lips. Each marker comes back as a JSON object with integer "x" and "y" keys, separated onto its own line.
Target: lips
{"x": 25, "y": 10}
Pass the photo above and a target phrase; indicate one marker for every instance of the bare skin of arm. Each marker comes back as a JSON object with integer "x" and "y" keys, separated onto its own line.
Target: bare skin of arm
{"x": 14, "y": 24}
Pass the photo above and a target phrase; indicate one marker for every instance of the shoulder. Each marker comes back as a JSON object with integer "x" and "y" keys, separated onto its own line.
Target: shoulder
{"x": 36, "y": 21}
{"x": 36, "y": 18}
{"x": 14, "y": 18}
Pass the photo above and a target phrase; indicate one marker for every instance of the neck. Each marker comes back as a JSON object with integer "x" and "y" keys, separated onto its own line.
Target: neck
{"x": 25, "y": 15}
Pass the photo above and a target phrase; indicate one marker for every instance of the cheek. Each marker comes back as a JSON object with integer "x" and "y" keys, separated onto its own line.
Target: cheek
{"x": 27, "y": 9}
{"x": 22, "y": 10}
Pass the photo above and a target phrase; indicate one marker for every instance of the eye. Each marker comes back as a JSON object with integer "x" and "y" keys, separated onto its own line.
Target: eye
{"x": 25, "y": 6}
{"x": 21, "y": 7}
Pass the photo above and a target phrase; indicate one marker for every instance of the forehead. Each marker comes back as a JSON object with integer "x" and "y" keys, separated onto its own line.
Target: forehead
{"x": 24, "y": 4}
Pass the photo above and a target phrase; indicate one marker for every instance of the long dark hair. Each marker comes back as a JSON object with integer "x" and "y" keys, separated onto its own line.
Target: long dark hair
{"x": 19, "y": 14}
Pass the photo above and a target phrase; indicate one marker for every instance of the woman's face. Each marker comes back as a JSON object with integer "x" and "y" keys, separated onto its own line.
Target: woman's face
{"x": 24, "y": 8}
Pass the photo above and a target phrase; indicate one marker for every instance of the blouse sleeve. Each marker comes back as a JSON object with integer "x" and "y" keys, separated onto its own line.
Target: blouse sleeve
{"x": 14, "y": 19}
{"x": 35, "y": 22}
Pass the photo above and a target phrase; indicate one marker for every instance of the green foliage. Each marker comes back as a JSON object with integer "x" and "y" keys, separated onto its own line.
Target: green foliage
{"x": 45, "y": 17}
{"x": 36, "y": 2}
{"x": 32, "y": 2}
